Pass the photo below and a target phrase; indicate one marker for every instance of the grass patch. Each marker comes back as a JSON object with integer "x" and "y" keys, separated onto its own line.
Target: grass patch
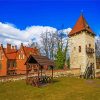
{"x": 62, "y": 89}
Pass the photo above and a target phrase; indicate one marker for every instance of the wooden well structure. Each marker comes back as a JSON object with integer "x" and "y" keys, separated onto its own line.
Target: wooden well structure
{"x": 36, "y": 66}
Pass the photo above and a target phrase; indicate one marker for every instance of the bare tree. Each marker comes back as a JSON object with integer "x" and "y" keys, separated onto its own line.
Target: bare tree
{"x": 44, "y": 42}
{"x": 34, "y": 44}
{"x": 98, "y": 46}
{"x": 49, "y": 42}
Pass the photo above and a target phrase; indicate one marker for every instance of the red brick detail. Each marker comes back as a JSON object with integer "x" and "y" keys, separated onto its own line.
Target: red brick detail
{"x": 11, "y": 53}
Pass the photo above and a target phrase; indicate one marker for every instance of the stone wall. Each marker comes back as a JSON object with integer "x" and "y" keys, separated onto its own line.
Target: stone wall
{"x": 67, "y": 73}
{"x": 76, "y": 58}
{"x": 56, "y": 74}
{"x": 81, "y": 59}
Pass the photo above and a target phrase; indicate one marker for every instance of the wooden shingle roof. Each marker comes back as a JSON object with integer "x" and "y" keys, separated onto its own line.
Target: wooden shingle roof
{"x": 41, "y": 60}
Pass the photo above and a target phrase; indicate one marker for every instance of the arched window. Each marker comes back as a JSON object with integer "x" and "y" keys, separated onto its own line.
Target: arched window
{"x": 79, "y": 48}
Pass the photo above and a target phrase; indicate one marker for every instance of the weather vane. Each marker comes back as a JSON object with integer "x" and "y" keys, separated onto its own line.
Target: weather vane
{"x": 82, "y": 12}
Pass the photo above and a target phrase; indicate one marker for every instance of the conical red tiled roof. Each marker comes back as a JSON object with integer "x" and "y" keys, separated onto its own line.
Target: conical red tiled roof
{"x": 80, "y": 25}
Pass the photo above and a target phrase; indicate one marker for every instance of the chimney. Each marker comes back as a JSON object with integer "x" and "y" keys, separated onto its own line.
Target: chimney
{"x": 15, "y": 47}
{"x": 1, "y": 45}
{"x": 8, "y": 48}
{"x": 21, "y": 44}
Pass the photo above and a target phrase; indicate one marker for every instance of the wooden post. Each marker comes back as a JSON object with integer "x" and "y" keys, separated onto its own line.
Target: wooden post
{"x": 38, "y": 76}
{"x": 52, "y": 72}
{"x": 38, "y": 71}
{"x": 26, "y": 74}
{"x": 41, "y": 71}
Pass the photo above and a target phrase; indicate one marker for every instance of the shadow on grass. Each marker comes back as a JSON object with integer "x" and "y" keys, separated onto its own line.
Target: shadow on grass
{"x": 55, "y": 81}
{"x": 52, "y": 82}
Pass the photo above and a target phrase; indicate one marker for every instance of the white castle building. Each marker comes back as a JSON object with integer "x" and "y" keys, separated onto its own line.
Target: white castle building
{"x": 82, "y": 46}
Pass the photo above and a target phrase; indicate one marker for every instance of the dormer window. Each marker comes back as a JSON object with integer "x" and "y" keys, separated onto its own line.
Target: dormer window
{"x": 21, "y": 55}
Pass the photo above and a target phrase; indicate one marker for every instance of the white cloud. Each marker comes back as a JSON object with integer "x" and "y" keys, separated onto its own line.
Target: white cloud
{"x": 66, "y": 31}
{"x": 10, "y": 34}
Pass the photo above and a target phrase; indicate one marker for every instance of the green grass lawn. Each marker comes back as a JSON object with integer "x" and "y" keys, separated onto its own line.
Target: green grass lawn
{"x": 61, "y": 89}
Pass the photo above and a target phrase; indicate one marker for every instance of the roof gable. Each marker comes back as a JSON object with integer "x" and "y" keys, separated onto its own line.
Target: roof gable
{"x": 80, "y": 25}
{"x": 14, "y": 53}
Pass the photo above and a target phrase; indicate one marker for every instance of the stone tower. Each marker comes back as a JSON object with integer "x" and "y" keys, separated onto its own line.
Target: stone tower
{"x": 82, "y": 45}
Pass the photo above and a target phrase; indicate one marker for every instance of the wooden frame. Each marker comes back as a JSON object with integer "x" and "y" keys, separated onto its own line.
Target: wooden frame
{"x": 38, "y": 78}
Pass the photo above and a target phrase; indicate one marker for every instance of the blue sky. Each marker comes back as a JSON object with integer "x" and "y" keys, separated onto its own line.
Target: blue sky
{"x": 53, "y": 13}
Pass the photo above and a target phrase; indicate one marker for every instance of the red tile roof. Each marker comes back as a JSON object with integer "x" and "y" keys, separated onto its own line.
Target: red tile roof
{"x": 11, "y": 55}
{"x": 80, "y": 25}
{"x": 29, "y": 51}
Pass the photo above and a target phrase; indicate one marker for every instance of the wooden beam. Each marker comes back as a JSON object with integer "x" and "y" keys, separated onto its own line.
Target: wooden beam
{"x": 38, "y": 76}
{"x": 52, "y": 72}
{"x": 27, "y": 72}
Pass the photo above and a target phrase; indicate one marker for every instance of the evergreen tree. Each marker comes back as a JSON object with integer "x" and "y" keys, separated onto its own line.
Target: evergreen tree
{"x": 59, "y": 58}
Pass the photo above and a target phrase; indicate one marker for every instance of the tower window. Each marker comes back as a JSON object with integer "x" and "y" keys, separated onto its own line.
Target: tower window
{"x": 79, "y": 48}
{"x": 89, "y": 45}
